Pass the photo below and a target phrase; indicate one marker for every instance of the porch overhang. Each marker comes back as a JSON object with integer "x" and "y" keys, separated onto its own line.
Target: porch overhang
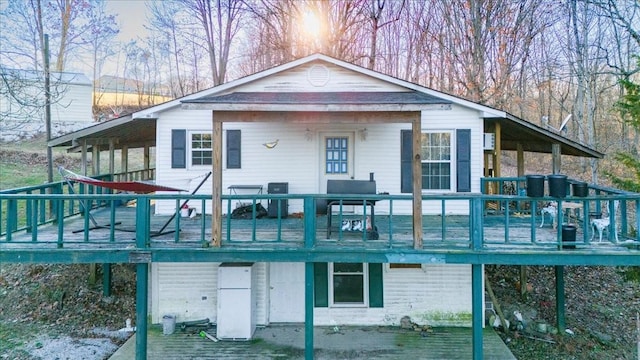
{"x": 533, "y": 138}
{"x": 125, "y": 131}
{"x": 319, "y": 102}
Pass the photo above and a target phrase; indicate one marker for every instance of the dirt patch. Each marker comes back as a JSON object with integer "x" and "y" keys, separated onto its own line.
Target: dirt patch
{"x": 601, "y": 309}
{"x": 37, "y": 159}
{"x": 53, "y": 312}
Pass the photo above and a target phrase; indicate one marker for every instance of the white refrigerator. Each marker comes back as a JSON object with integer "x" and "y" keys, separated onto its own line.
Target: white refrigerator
{"x": 236, "y": 301}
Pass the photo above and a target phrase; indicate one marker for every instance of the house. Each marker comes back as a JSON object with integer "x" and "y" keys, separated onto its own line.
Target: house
{"x": 117, "y": 92}
{"x": 22, "y": 113}
{"x": 306, "y": 122}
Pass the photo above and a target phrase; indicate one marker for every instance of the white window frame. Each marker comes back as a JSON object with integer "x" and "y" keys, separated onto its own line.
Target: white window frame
{"x": 451, "y": 161}
{"x": 190, "y": 151}
{"x": 365, "y": 287}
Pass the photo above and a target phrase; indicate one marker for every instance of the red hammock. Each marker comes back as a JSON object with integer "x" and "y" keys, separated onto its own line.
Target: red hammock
{"x": 132, "y": 186}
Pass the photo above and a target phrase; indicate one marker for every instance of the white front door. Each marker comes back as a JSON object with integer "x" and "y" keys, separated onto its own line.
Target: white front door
{"x": 286, "y": 292}
{"x": 336, "y": 157}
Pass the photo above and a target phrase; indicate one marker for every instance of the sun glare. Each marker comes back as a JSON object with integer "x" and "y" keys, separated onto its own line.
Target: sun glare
{"x": 311, "y": 25}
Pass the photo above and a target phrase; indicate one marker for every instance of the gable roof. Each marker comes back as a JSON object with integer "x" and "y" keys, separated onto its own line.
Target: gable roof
{"x": 532, "y": 137}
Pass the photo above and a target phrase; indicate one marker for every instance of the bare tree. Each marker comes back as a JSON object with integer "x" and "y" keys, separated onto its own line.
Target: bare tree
{"x": 219, "y": 21}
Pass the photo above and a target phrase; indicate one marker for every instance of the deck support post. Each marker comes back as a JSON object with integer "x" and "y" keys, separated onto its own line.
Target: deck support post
{"x": 477, "y": 292}
{"x": 308, "y": 311}
{"x": 560, "y": 323}
{"x": 106, "y": 279}
{"x": 142, "y": 277}
{"x": 142, "y": 281}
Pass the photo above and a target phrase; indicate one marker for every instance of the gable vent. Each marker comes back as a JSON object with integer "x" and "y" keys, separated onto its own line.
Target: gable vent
{"x": 318, "y": 75}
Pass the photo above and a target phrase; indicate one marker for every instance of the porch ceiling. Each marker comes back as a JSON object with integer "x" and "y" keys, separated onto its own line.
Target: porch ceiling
{"x": 124, "y": 131}
{"x": 139, "y": 132}
{"x": 534, "y": 138}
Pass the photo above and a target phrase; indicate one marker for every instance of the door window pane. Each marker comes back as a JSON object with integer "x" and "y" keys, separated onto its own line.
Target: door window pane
{"x": 337, "y": 155}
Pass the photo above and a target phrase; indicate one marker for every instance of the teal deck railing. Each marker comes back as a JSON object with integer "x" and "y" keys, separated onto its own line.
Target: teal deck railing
{"x": 27, "y": 213}
{"x": 467, "y": 221}
{"x": 601, "y": 200}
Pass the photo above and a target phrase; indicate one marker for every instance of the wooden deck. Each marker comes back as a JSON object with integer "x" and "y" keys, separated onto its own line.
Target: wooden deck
{"x": 287, "y": 342}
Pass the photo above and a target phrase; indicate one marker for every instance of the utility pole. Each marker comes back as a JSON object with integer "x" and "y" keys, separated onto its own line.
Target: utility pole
{"x": 47, "y": 108}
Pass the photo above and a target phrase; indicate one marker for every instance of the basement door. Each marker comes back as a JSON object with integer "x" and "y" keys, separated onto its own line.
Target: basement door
{"x": 286, "y": 292}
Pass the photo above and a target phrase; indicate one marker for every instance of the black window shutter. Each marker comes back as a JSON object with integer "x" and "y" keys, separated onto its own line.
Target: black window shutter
{"x": 375, "y": 286}
{"x": 233, "y": 149}
{"x": 321, "y": 284}
{"x": 406, "y": 167}
{"x": 463, "y": 158}
{"x": 178, "y": 149}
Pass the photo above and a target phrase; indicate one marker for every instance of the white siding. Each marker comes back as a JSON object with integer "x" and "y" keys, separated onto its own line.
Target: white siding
{"x": 296, "y": 159}
{"x": 339, "y": 80}
{"x": 438, "y": 295}
{"x": 189, "y": 291}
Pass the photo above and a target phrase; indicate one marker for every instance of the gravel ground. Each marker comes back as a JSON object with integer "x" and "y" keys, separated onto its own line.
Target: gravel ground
{"x": 52, "y": 312}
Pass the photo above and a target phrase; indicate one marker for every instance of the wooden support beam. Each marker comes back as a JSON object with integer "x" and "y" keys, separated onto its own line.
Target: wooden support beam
{"x": 124, "y": 160}
{"x": 520, "y": 172}
{"x": 147, "y": 157}
{"x": 83, "y": 163}
{"x": 327, "y": 118}
{"x": 216, "y": 191}
{"x": 416, "y": 130}
{"x": 520, "y": 160}
{"x": 112, "y": 157}
{"x": 95, "y": 161}
{"x": 497, "y": 152}
{"x": 556, "y": 161}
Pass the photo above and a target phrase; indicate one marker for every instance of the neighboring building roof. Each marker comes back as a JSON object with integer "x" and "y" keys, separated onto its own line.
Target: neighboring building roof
{"x": 532, "y": 137}
{"x": 60, "y": 77}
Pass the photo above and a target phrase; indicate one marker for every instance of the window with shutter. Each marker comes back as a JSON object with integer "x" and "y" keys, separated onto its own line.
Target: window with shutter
{"x": 348, "y": 284}
{"x": 178, "y": 149}
{"x": 437, "y": 154}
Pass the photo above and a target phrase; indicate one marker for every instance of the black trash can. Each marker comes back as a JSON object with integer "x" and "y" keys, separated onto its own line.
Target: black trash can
{"x": 272, "y": 209}
{"x": 568, "y": 237}
{"x": 580, "y": 189}
{"x": 557, "y": 185}
{"x": 535, "y": 185}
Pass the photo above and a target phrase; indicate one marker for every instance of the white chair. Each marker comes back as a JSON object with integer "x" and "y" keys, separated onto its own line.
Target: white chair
{"x": 603, "y": 223}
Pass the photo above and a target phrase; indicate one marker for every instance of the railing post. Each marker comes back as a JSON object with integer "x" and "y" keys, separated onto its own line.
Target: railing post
{"x": 637, "y": 220}
{"x": 309, "y": 222}
{"x": 12, "y": 217}
{"x": 476, "y": 223}
{"x": 142, "y": 222}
